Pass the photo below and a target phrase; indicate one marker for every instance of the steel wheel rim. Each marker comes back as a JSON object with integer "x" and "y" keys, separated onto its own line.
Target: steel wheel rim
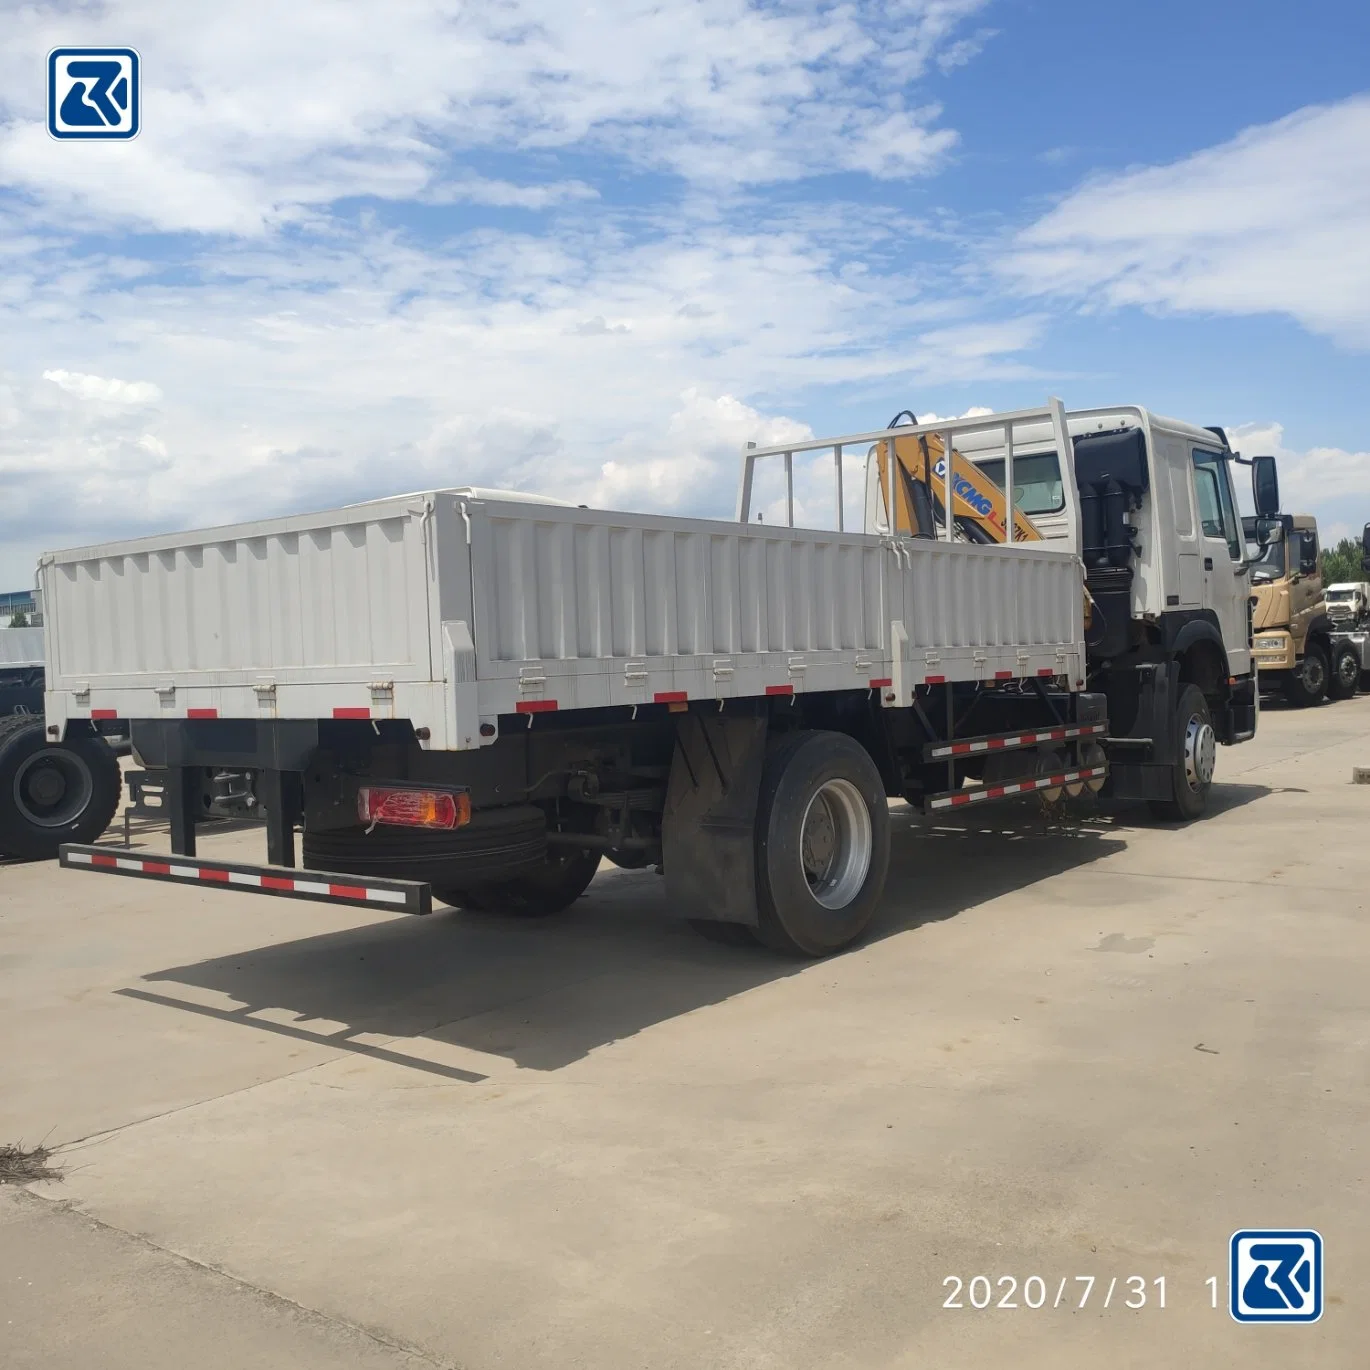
{"x": 1313, "y": 677}
{"x": 1200, "y": 752}
{"x": 52, "y": 788}
{"x": 836, "y": 843}
{"x": 1348, "y": 669}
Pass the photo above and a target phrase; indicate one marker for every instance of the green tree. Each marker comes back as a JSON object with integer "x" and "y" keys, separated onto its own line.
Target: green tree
{"x": 1342, "y": 562}
{"x": 20, "y": 619}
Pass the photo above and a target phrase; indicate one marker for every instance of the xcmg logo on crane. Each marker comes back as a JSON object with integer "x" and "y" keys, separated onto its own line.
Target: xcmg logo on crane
{"x": 964, "y": 490}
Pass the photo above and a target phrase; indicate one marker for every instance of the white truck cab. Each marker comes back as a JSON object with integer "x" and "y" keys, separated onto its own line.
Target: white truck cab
{"x": 1348, "y": 603}
{"x": 1166, "y": 562}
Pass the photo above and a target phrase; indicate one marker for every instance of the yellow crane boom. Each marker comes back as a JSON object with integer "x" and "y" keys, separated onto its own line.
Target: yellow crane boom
{"x": 977, "y": 502}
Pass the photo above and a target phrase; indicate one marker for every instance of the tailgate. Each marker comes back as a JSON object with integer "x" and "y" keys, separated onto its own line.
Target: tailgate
{"x": 312, "y": 616}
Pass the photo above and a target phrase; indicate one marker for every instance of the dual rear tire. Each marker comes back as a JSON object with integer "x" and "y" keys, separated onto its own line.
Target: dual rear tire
{"x": 822, "y": 847}
{"x": 1344, "y": 679}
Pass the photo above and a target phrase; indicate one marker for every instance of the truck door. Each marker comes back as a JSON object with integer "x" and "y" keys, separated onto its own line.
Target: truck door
{"x": 1221, "y": 546}
{"x": 1188, "y": 560}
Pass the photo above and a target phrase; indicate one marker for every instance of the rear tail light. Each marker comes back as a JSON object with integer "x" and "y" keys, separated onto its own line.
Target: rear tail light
{"x": 405, "y": 808}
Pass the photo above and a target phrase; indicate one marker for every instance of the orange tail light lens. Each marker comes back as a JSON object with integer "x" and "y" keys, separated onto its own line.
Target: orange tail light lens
{"x": 412, "y": 808}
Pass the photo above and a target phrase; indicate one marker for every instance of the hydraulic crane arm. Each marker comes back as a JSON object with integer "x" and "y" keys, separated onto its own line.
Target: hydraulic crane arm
{"x": 978, "y": 504}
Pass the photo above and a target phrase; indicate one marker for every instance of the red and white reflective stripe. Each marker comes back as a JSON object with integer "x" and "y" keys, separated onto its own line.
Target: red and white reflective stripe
{"x": 535, "y": 706}
{"x": 935, "y": 680}
{"x": 180, "y": 868}
{"x": 881, "y": 682}
{"x": 991, "y": 744}
{"x": 351, "y": 713}
{"x": 1046, "y": 782}
{"x": 103, "y": 713}
{"x": 202, "y": 713}
{"x": 670, "y": 697}
{"x": 779, "y": 689}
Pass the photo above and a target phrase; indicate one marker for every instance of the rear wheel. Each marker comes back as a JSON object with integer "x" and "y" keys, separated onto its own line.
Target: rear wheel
{"x": 552, "y": 887}
{"x": 1306, "y": 684}
{"x": 1192, "y": 773}
{"x": 53, "y": 792}
{"x": 823, "y": 843}
{"x": 497, "y": 845}
{"x": 1345, "y": 677}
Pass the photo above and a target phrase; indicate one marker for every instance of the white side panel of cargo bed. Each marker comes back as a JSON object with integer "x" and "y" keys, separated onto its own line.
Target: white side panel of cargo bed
{"x": 590, "y": 608}
{"x": 580, "y": 609}
{"x": 340, "y": 598}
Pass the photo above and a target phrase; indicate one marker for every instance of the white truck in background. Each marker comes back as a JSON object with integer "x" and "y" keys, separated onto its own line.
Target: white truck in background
{"x": 479, "y": 696}
{"x": 1348, "y": 604}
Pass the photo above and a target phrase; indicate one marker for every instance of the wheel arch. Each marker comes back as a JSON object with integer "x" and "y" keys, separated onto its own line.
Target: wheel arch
{"x": 1202, "y": 656}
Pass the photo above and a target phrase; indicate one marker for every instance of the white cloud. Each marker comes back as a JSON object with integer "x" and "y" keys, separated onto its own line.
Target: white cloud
{"x": 482, "y": 190}
{"x": 1330, "y": 482}
{"x": 295, "y": 346}
{"x": 597, "y": 364}
{"x": 1277, "y": 220}
{"x": 105, "y": 390}
{"x": 256, "y": 113}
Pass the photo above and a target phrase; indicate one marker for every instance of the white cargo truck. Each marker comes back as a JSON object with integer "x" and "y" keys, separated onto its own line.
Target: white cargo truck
{"x": 480, "y": 696}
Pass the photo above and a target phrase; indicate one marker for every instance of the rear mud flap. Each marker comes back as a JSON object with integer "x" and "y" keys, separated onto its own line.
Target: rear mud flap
{"x": 708, "y": 831}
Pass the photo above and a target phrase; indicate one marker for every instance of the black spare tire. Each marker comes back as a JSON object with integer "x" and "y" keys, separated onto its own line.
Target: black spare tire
{"x": 53, "y": 792}
{"x": 497, "y": 844}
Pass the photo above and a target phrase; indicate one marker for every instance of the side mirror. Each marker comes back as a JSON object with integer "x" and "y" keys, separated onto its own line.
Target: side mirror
{"x": 1268, "y": 531}
{"x": 1265, "y": 486}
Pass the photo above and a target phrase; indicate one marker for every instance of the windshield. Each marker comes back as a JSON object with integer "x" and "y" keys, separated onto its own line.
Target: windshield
{"x": 1036, "y": 482}
{"x": 1270, "y": 564}
{"x": 1340, "y": 596}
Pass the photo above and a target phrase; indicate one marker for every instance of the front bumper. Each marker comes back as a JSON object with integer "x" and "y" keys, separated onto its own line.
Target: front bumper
{"x": 1273, "y": 651}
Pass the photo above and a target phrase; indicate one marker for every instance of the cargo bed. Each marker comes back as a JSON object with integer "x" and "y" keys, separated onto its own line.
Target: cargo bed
{"x": 457, "y": 608}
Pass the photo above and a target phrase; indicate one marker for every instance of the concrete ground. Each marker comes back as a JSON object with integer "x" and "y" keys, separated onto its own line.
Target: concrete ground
{"x": 297, "y": 1136}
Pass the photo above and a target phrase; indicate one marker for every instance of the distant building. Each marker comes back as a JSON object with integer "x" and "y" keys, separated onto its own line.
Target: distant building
{"x": 17, "y": 602}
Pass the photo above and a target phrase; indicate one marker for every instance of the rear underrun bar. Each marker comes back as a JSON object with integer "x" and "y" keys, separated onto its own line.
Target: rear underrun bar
{"x": 370, "y": 892}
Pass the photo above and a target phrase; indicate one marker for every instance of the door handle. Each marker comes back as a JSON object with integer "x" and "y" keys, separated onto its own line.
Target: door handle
{"x": 1208, "y": 563}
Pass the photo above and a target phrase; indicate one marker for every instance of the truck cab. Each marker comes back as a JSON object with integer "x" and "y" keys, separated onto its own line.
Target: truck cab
{"x": 1167, "y": 562}
{"x": 1348, "y": 604}
{"x": 1293, "y": 631}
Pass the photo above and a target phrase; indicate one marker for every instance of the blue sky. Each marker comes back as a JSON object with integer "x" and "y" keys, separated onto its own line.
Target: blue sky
{"x": 592, "y": 249}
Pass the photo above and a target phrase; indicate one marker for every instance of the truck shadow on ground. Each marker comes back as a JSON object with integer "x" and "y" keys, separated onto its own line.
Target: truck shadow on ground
{"x": 543, "y": 993}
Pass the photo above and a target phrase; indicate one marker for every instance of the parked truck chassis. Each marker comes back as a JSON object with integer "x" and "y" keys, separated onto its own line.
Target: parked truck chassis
{"x": 731, "y": 704}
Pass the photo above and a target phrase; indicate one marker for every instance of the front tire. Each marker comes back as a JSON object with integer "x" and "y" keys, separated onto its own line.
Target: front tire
{"x": 1345, "y": 677}
{"x": 1192, "y": 773}
{"x": 822, "y": 844}
{"x": 1306, "y": 684}
{"x": 53, "y": 792}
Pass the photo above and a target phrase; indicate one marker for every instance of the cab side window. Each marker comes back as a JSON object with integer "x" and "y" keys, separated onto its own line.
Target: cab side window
{"x": 1217, "y": 514}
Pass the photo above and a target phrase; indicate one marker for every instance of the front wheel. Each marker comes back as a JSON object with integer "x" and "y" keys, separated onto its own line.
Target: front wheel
{"x": 1306, "y": 684}
{"x": 1345, "y": 677}
{"x": 822, "y": 845}
{"x": 53, "y": 792}
{"x": 1192, "y": 773}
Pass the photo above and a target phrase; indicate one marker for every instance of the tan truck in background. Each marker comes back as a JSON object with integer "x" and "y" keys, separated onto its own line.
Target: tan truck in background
{"x": 1296, "y": 644}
